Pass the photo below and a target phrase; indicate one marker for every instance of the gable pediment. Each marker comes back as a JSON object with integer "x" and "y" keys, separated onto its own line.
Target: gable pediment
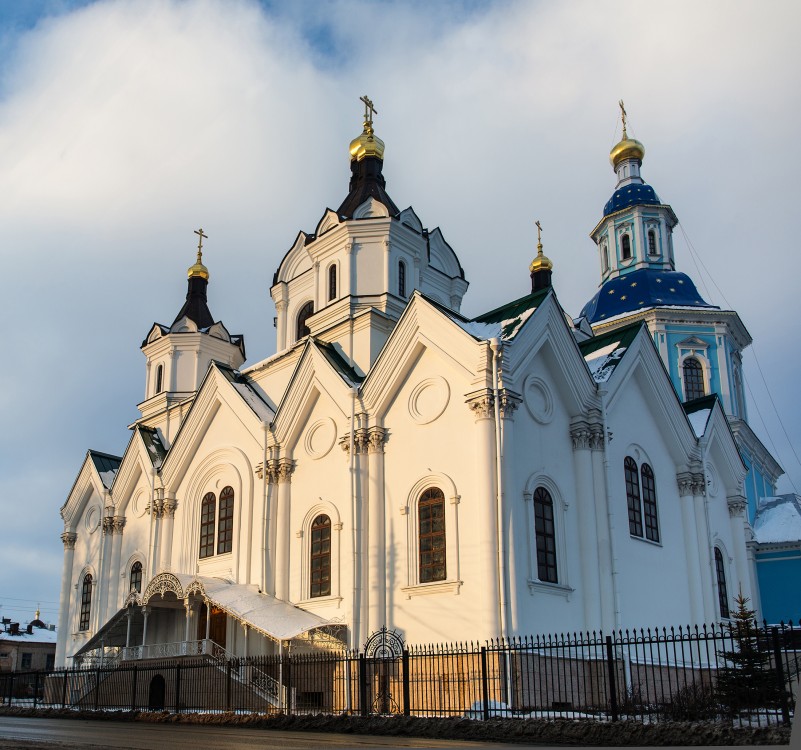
{"x": 330, "y": 220}
{"x": 371, "y": 209}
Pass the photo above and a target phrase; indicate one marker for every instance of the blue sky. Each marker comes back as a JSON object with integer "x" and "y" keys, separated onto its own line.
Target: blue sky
{"x": 126, "y": 124}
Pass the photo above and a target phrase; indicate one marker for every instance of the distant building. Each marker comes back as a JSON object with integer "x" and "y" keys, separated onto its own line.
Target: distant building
{"x": 777, "y": 532}
{"x": 30, "y": 648}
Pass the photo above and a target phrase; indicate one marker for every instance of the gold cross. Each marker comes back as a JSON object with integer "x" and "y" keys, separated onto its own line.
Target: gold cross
{"x": 201, "y": 237}
{"x": 539, "y": 232}
{"x": 623, "y": 116}
{"x": 369, "y": 109}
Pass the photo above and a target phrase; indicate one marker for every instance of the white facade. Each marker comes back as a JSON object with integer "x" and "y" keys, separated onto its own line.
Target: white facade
{"x": 391, "y": 395}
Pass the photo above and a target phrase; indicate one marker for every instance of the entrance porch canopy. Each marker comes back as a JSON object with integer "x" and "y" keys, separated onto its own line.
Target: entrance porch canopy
{"x": 274, "y": 618}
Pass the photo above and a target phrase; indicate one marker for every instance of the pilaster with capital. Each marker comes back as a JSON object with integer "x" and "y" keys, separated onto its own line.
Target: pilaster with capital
{"x": 284, "y": 468}
{"x": 693, "y": 481}
{"x": 167, "y": 523}
{"x": 581, "y": 436}
{"x": 376, "y": 531}
{"x": 118, "y": 525}
{"x": 481, "y": 403}
{"x": 692, "y": 555}
{"x": 68, "y": 538}
{"x": 740, "y": 531}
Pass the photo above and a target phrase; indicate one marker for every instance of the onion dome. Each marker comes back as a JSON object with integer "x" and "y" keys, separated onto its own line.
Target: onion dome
{"x": 628, "y": 148}
{"x": 366, "y": 144}
{"x": 541, "y": 266}
{"x": 198, "y": 269}
{"x": 641, "y": 289}
{"x": 366, "y": 165}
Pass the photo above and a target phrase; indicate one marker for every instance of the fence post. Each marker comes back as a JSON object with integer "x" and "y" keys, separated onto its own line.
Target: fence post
{"x": 610, "y": 669}
{"x": 484, "y": 684}
{"x": 133, "y": 689}
{"x": 777, "y": 655}
{"x": 11, "y": 690}
{"x": 65, "y": 678}
{"x": 35, "y": 688}
{"x": 406, "y": 692}
{"x": 177, "y": 688}
{"x": 228, "y": 687}
{"x": 288, "y": 678}
{"x": 363, "y": 685}
{"x": 97, "y": 688}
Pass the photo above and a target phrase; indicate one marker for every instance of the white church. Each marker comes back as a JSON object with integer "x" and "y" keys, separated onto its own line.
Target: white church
{"x": 397, "y": 464}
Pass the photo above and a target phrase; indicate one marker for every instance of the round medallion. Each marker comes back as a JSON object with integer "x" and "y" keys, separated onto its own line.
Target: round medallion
{"x": 428, "y": 399}
{"x": 92, "y": 519}
{"x": 320, "y": 438}
{"x": 139, "y": 504}
{"x": 538, "y": 400}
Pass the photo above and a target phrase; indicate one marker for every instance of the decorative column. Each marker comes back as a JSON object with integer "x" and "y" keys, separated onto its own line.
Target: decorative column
{"x": 188, "y": 607}
{"x": 166, "y": 523}
{"x": 129, "y": 615}
{"x": 145, "y": 615}
{"x": 599, "y": 445}
{"x": 117, "y": 526}
{"x": 68, "y": 538}
{"x": 376, "y": 533}
{"x": 284, "y": 469}
{"x": 100, "y": 594}
{"x": 280, "y": 309}
{"x": 698, "y": 489}
{"x": 739, "y": 532}
{"x": 583, "y": 436}
{"x": 482, "y": 404}
{"x": 508, "y": 403}
{"x": 691, "y": 552}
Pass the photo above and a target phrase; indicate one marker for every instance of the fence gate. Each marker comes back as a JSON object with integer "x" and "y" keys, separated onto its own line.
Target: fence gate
{"x": 383, "y": 653}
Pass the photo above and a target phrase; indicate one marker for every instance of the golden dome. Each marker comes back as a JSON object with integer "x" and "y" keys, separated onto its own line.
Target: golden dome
{"x": 628, "y": 148}
{"x": 366, "y": 144}
{"x": 541, "y": 262}
{"x": 198, "y": 269}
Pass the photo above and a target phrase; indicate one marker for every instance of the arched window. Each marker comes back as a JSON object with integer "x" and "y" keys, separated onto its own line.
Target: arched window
{"x": 305, "y": 313}
{"x": 320, "y": 556}
{"x": 86, "y": 602}
{"x": 625, "y": 247}
{"x": 225, "y": 524}
{"x": 723, "y": 594}
{"x": 546, "y": 537}
{"x": 693, "y": 379}
{"x": 431, "y": 519}
{"x": 332, "y": 282}
{"x": 401, "y": 279}
{"x": 207, "y": 512}
{"x": 159, "y": 378}
{"x": 652, "y": 242}
{"x": 633, "y": 496}
{"x": 136, "y": 577}
{"x": 649, "y": 503}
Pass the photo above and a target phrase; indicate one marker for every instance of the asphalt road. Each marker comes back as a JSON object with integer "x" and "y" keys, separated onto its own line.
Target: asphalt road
{"x": 72, "y": 734}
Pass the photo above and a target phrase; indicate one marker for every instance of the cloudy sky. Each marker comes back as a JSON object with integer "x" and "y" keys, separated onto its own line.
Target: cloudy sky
{"x": 127, "y": 124}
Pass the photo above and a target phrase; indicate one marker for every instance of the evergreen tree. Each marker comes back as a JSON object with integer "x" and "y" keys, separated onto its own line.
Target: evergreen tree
{"x": 748, "y": 680}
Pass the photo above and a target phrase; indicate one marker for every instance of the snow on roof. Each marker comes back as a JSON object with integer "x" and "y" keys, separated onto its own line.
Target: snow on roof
{"x": 263, "y": 412}
{"x": 505, "y": 329}
{"x": 39, "y": 635}
{"x": 778, "y": 519}
{"x": 698, "y": 420}
{"x": 603, "y": 362}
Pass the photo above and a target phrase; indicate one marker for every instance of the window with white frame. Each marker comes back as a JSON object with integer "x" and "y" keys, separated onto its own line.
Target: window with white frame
{"x": 545, "y": 534}
{"x": 723, "y": 594}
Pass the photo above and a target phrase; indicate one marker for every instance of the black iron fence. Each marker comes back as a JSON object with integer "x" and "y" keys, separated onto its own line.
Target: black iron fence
{"x": 748, "y": 676}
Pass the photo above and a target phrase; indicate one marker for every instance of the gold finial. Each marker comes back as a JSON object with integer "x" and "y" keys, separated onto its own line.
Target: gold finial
{"x": 367, "y": 144}
{"x": 36, "y": 617}
{"x": 199, "y": 269}
{"x": 627, "y": 148}
{"x": 541, "y": 262}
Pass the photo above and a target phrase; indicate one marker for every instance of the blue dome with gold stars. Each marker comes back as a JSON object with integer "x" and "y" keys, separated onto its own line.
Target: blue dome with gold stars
{"x": 632, "y": 194}
{"x": 637, "y": 290}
